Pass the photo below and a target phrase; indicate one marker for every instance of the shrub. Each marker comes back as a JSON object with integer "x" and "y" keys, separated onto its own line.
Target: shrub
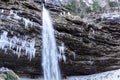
{"x": 96, "y": 7}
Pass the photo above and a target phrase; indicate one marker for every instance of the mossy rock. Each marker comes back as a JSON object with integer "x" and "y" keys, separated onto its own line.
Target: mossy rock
{"x": 11, "y": 76}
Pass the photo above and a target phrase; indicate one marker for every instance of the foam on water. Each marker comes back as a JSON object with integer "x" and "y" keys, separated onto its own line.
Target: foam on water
{"x": 49, "y": 52}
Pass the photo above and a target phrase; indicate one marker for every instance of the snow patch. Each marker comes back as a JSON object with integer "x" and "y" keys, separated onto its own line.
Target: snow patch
{"x": 27, "y": 22}
{"x": 3, "y": 69}
{"x": 15, "y": 16}
{"x": 110, "y": 15}
{"x": 109, "y": 75}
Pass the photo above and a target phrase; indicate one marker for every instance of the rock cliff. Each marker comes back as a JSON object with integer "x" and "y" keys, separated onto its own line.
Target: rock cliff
{"x": 89, "y": 48}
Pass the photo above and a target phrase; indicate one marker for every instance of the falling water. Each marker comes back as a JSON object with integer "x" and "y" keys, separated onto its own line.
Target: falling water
{"x": 49, "y": 52}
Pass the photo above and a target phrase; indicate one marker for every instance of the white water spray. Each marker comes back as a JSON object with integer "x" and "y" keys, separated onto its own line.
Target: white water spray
{"x": 49, "y": 52}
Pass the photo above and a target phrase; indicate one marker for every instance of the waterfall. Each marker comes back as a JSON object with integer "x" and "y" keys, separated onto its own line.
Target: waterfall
{"x": 49, "y": 51}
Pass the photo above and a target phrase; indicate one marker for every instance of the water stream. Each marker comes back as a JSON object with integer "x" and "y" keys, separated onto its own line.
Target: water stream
{"x": 49, "y": 52}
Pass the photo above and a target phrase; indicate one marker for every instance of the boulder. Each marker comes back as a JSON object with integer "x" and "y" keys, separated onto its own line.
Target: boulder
{"x": 6, "y": 74}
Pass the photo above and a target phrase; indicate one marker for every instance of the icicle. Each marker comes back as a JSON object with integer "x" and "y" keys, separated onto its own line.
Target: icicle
{"x": 4, "y": 35}
{"x": 10, "y": 44}
{"x": 23, "y": 44}
{"x": 2, "y": 11}
{"x": 4, "y": 40}
{"x": 32, "y": 49}
{"x": 27, "y": 22}
{"x": 15, "y": 16}
{"x": 19, "y": 44}
{"x": 73, "y": 53}
{"x": 5, "y": 50}
{"x": 20, "y": 48}
{"x": 61, "y": 52}
{"x": 26, "y": 51}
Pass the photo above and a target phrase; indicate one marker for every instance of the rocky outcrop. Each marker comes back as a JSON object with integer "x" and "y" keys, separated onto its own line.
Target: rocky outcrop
{"x": 6, "y": 74}
{"x": 89, "y": 48}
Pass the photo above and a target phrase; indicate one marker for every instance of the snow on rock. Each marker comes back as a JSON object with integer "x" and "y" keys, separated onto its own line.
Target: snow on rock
{"x": 3, "y": 69}
{"x": 27, "y": 22}
{"x": 109, "y": 75}
{"x": 110, "y": 15}
{"x": 14, "y": 16}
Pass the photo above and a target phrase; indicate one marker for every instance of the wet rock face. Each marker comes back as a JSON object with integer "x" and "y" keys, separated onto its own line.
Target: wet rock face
{"x": 88, "y": 48}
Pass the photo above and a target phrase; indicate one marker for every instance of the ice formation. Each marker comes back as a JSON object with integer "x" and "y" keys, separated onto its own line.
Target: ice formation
{"x": 73, "y": 53}
{"x": 15, "y": 16}
{"x": 20, "y": 45}
{"x": 1, "y": 11}
{"x": 4, "y": 40}
{"x": 61, "y": 52}
{"x": 27, "y": 22}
